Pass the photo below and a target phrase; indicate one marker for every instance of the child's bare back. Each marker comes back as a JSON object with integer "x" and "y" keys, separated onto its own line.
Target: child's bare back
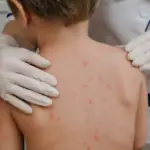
{"x": 102, "y": 103}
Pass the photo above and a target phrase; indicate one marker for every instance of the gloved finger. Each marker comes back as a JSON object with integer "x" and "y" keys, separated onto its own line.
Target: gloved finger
{"x": 29, "y": 96}
{"x": 33, "y": 72}
{"x": 144, "y": 48}
{"x": 141, "y": 60}
{"x": 17, "y": 103}
{"x": 32, "y": 84}
{"x": 137, "y": 41}
{"x": 33, "y": 58}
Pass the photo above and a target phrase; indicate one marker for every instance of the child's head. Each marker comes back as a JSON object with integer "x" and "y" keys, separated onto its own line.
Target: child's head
{"x": 32, "y": 13}
{"x": 71, "y": 11}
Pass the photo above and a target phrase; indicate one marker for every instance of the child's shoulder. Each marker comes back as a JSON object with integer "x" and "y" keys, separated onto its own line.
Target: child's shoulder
{"x": 118, "y": 61}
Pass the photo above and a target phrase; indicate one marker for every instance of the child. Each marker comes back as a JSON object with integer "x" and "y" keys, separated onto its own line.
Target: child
{"x": 102, "y": 103}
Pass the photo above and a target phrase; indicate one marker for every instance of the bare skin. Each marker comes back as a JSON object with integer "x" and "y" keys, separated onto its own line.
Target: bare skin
{"x": 102, "y": 103}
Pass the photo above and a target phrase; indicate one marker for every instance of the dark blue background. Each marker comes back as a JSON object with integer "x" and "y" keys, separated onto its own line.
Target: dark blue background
{"x": 149, "y": 100}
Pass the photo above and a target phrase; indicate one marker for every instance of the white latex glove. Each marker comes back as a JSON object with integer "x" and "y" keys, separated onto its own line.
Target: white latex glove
{"x": 139, "y": 54}
{"x": 21, "y": 82}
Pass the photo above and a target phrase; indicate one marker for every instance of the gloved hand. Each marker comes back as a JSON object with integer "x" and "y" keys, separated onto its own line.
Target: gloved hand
{"x": 21, "y": 82}
{"x": 139, "y": 54}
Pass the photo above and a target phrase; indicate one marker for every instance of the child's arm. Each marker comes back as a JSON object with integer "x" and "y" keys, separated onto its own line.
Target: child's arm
{"x": 10, "y": 137}
{"x": 141, "y": 119}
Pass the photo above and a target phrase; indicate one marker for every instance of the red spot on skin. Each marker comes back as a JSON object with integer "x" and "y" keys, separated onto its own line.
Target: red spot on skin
{"x": 85, "y": 85}
{"x": 96, "y": 138}
{"x": 88, "y": 148}
{"x": 5, "y": 137}
{"x": 59, "y": 118}
{"x": 52, "y": 115}
{"x": 97, "y": 58}
{"x": 100, "y": 78}
{"x": 85, "y": 63}
{"x": 109, "y": 86}
{"x": 84, "y": 143}
{"x": 91, "y": 79}
{"x": 91, "y": 101}
{"x": 86, "y": 121}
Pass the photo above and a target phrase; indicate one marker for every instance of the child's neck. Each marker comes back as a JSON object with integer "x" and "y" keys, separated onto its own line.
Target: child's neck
{"x": 60, "y": 38}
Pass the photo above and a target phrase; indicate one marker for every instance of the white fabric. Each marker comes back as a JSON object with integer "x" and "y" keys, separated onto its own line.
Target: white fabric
{"x": 119, "y": 21}
{"x": 19, "y": 81}
{"x": 10, "y": 18}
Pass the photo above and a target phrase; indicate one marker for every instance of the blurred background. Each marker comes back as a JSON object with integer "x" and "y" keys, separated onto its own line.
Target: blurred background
{"x": 97, "y": 30}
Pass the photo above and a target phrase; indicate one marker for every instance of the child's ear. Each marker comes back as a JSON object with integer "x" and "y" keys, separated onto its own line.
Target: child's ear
{"x": 21, "y": 12}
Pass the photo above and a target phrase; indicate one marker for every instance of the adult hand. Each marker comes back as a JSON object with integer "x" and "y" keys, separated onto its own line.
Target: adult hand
{"x": 139, "y": 53}
{"x": 20, "y": 81}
